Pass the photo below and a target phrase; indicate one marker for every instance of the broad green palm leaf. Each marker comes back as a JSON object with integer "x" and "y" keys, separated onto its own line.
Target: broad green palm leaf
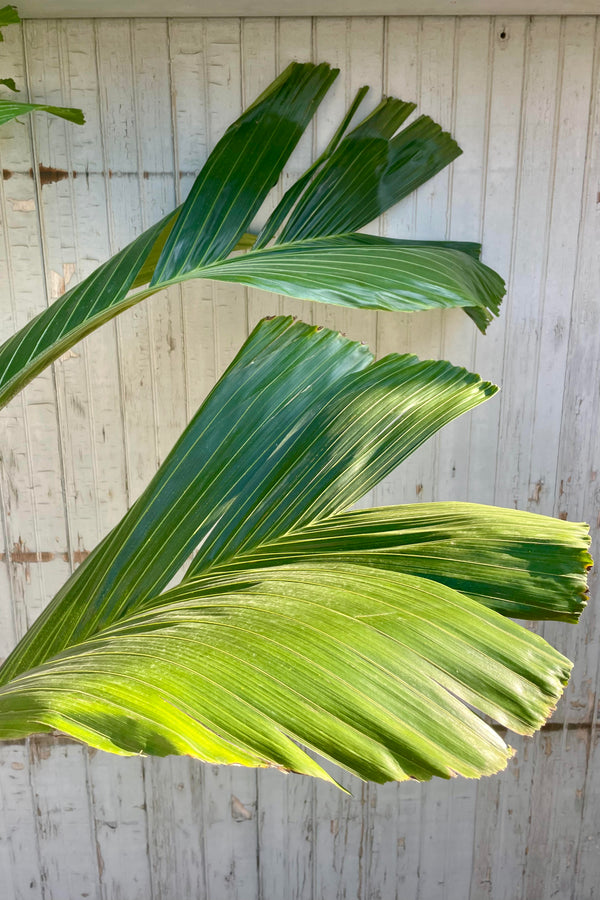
{"x": 308, "y": 248}
{"x": 10, "y": 109}
{"x": 370, "y": 637}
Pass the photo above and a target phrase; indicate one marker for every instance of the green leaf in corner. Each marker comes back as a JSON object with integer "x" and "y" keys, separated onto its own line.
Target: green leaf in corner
{"x": 9, "y": 109}
{"x": 8, "y": 16}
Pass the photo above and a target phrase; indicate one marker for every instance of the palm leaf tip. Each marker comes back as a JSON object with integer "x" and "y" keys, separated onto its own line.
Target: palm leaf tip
{"x": 517, "y": 563}
{"x": 228, "y": 191}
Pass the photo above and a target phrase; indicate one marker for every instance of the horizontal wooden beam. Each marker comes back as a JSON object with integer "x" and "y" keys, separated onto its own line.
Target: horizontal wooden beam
{"x": 50, "y": 9}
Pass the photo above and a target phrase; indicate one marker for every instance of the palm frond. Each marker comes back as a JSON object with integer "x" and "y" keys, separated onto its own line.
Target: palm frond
{"x": 371, "y": 637}
{"x": 360, "y": 175}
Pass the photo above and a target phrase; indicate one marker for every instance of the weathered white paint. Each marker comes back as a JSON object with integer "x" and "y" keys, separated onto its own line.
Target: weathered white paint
{"x": 522, "y": 97}
{"x": 112, "y": 8}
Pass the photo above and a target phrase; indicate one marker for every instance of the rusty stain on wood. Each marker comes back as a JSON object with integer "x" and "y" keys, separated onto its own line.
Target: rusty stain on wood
{"x": 50, "y": 175}
{"x": 21, "y": 556}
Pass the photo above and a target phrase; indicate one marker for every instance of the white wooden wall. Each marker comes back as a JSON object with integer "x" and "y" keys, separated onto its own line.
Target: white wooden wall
{"x": 521, "y": 96}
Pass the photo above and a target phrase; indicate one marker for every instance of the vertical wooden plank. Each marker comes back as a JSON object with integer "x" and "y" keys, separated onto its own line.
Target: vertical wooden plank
{"x": 286, "y": 845}
{"x": 530, "y": 254}
{"x": 585, "y": 883}
{"x": 471, "y": 74}
{"x": 342, "y": 838}
{"x": 459, "y": 838}
{"x": 231, "y": 835}
{"x": 157, "y": 187}
{"x": 446, "y": 838}
{"x": 224, "y": 101}
{"x": 501, "y": 184}
{"x": 394, "y": 860}
{"x": 330, "y": 39}
{"x": 401, "y": 76}
{"x": 577, "y": 491}
{"x": 435, "y": 97}
{"x": 571, "y": 137}
{"x": 14, "y": 140}
{"x": 19, "y": 858}
{"x": 365, "y": 64}
{"x": 259, "y": 68}
{"x": 401, "y": 80}
{"x": 437, "y": 48}
{"x": 175, "y": 826}
{"x": 88, "y": 375}
{"x": 295, "y": 42}
{"x": 355, "y": 46}
{"x": 120, "y": 829}
{"x": 191, "y": 136}
{"x": 260, "y": 65}
{"x": 115, "y": 61}
{"x": 555, "y": 813}
{"x": 502, "y": 826}
{"x": 182, "y": 324}
{"x": 68, "y": 860}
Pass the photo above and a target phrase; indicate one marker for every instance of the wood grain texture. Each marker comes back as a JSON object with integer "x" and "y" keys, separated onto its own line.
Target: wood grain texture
{"x": 522, "y": 96}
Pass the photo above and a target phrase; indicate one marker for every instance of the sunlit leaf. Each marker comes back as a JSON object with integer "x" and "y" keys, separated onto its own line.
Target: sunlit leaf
{"x": 365, "y": 636}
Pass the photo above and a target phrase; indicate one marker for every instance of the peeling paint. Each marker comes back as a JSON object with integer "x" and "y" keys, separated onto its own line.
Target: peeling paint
{"x": 58, "y": 282}
{"x": 27, "y": 205}
{"x": 239, "y": 812}
{"x": 537, "y": 490}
